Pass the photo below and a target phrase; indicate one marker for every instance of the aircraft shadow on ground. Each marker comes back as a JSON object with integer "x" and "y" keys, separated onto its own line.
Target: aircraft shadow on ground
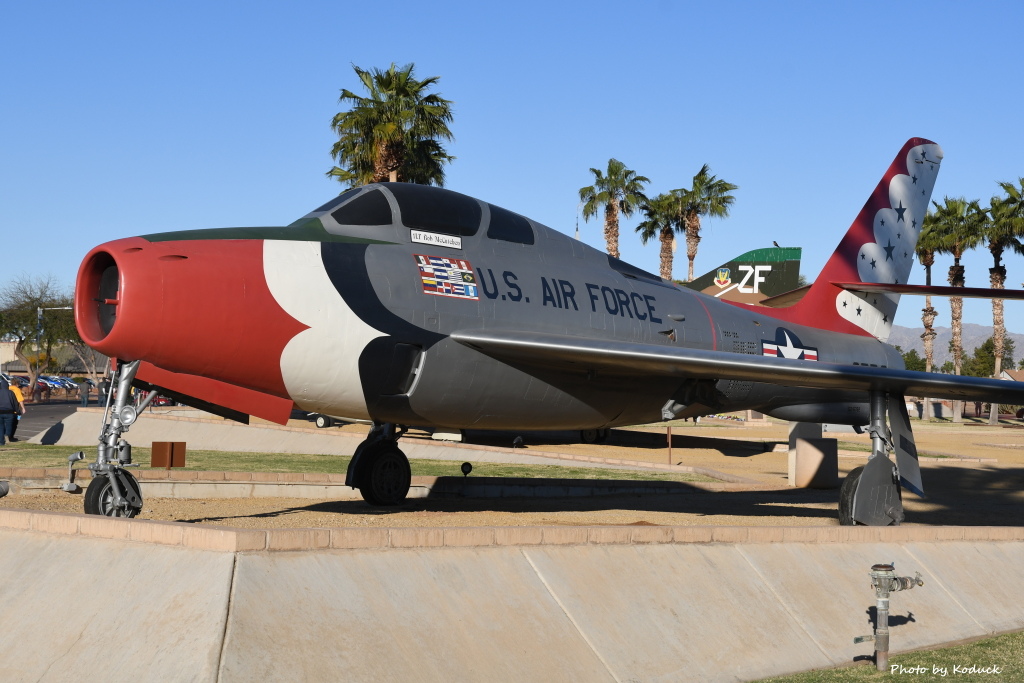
{"x": 689, "y": 499}
{"x": 981, "y": 496}
{"x": 628, "y": 439}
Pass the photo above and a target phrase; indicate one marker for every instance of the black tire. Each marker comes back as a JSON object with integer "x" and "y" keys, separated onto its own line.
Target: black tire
{"x": 602, "y": 435}
{"x": 324, "y": 421}
{"x": 385, "y": 476}
{"x": 99, "y": 497}
{"x": 590, "y": 435}
{"x": 846, "y": 492}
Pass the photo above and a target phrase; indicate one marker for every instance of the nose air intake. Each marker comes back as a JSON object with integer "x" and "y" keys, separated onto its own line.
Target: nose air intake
{"x": 97, "y": 297}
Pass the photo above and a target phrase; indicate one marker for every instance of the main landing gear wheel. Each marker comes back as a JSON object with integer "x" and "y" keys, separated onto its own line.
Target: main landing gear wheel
{"x": 324, "y": 421}
{"x": 893, "y": 504}
{"x": 594, "y": 435}
{"x": 99, "y": 497}
{"x": 846, "y": 492}
{"x": 386, "y": 475}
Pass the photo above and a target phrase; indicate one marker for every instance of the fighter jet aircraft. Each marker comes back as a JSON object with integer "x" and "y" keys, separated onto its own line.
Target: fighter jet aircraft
{"x": 412, "y": 305}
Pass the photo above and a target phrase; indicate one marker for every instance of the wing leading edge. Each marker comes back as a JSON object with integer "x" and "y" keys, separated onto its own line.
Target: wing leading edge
{"x": 626, "y": 358}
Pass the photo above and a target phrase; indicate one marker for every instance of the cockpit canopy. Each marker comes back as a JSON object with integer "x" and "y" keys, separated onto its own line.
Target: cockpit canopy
{"x": 422, "y": 207}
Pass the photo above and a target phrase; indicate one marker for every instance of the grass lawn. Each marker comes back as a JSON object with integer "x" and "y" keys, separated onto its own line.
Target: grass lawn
{"x": 32, "y": 455}
{"x": 1003, "y": 656}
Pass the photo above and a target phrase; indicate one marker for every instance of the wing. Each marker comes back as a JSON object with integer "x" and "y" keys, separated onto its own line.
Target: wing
{"x": 625, "y": 358}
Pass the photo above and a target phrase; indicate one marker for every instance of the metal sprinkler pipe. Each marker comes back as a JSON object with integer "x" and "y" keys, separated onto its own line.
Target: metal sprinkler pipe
{"x": 885, "y": 581}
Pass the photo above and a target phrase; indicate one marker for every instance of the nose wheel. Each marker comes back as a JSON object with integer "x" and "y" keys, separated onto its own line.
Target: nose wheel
{"x": 101, "y": 498}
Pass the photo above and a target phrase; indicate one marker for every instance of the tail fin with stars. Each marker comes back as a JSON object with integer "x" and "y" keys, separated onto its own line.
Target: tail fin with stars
{"x": 877, "y": 251}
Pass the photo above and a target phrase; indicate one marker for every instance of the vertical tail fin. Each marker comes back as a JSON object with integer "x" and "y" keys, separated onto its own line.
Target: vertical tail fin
{"x": 752, "y": 277}
{"x": 878, "y": 248}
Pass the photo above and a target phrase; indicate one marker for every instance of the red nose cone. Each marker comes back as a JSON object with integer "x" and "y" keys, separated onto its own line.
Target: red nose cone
{"x": 200, "y": 307}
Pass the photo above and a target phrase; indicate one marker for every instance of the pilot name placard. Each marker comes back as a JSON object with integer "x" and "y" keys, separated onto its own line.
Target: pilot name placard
{"x": 435, "y": 239}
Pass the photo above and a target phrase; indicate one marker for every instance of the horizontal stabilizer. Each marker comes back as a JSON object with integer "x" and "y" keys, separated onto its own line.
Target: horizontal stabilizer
{"x": 786, "y": 298}
{"x": 924, "y": 290}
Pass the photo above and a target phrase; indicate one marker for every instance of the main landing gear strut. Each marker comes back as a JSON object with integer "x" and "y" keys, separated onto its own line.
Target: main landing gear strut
{"x": 379, "y": 469}
{"x": 113, "y": 491}
{"x": 872, "y": 494}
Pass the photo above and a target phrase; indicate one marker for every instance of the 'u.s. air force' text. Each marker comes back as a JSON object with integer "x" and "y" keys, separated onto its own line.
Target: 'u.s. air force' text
{"x": 563, "y": 294}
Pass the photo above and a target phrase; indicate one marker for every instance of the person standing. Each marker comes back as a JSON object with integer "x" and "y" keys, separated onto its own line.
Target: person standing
{"x": 9, "y": 407}
{"x": 83, "y": 391}
{"x": 104, "y": 394}
{"x": 16, "y": 390}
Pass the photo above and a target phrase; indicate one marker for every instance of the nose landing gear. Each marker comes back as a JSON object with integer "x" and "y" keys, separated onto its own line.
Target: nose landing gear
{"x": 114, "y": 491}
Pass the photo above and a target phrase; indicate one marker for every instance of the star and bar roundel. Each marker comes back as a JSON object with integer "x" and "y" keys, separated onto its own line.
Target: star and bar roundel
{"x": 445, "y": 276}
{"x": 787, "y": 345}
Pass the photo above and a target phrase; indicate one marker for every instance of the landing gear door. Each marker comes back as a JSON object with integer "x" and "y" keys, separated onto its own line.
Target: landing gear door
{"x": 903, "y": 444}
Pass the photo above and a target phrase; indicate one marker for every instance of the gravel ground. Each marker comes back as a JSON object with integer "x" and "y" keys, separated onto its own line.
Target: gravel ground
{"x": 959, "y": 492}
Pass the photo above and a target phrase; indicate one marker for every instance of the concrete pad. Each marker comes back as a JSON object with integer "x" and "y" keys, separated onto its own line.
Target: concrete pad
{"x": 400, "y": 615}
{"x": 109, "y": 610}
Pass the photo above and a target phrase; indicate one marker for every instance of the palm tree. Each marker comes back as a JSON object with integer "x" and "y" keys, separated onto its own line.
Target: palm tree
{"x": 926, "y": 246}
{"x": 1004, "y": 230}
{"x": 708, "y": 196}
{"x": 957, "y": 226}
{"x": 620, "y": 191}
{"x": 393, "y": 133}
{"x": 660, "y": 221}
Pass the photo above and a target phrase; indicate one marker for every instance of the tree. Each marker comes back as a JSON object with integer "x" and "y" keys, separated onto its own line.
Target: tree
{"x": 660, "y": 222}
{"x": 957, "y": 225}
{"x": 394, "y": 133}
{"x": 926, "y": 245}
{"x": 707, "y": 196}
{"x": 911, "y": 360}
{"x": 1003, "y": 231}
{"x": 620, "y": 191}
{"x": 982, "y": 362}
{"x": 20, "y": 301}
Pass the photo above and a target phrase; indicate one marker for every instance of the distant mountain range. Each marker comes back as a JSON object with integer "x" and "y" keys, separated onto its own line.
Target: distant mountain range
{"x": 908, "y": 338}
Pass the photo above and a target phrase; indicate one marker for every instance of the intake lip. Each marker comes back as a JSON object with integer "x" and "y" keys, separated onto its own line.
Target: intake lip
{"x": 98, "y": 290}
{"x": 96, "y": 296}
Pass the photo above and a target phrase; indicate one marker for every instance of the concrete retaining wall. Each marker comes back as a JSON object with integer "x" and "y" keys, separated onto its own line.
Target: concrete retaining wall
{"x": 133, "y": 599}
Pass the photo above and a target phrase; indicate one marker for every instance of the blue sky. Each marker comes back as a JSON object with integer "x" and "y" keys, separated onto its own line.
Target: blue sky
{"x": 123, "y": 118}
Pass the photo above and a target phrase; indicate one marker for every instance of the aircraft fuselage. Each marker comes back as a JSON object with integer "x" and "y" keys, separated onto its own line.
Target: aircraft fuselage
{"x": 355, "y": 320}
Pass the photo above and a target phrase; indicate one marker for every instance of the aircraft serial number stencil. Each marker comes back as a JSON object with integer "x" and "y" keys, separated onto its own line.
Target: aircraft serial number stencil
{"x": 443, "y": 276}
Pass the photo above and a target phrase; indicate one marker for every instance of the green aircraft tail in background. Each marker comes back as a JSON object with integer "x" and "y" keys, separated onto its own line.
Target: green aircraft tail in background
{"x": 754, "y": 276}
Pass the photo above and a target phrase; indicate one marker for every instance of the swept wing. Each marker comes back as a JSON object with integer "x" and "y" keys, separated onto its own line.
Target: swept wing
{"x": 625, "y": 358}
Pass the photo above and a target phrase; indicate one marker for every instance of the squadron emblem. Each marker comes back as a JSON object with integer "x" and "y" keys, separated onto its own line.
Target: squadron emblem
{"x": 723, "y": 280}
